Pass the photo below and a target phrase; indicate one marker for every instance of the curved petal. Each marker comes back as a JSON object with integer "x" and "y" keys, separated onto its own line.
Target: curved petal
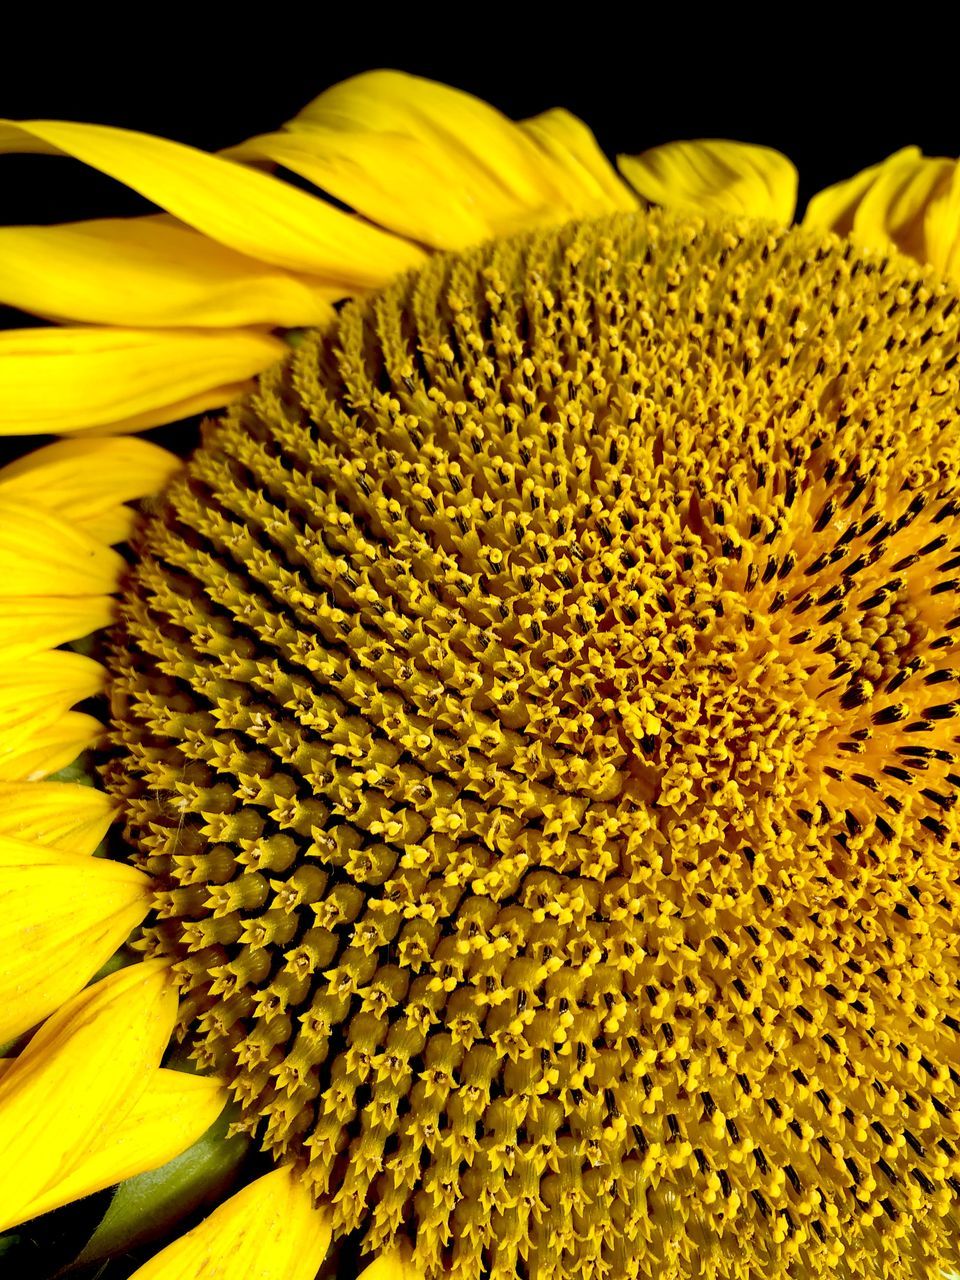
{"x": 835, "y": 206}
{"x": 84, "y": 480}
{"x": 202, "y": 402}
{"x": 42, "y": 554}
{"x": 39, "y": 732}
{"x": 251, "y": 212}
{"x": 150, "y": 271}
{"x": 60, "y": 815}
{"x": 87, "y": 1065}
{"x": 173, "y": 1112}
{"x": 33, "y": 755}
{"x": 391, "y": 1266}
{"x": 461, "y": 172}
{"x": 892, "y": 212}
{"x": 62, "y": 915}
{"x": 111, "y": 526}
{"x": 268, "y": 1231}
{"x": 569, "y": 142}
{"x": 153, "y": 1202}
{"x": 909, "y": 202}
{"x": 395, "y": 181}
{"x": 489, "y": 148}
{"x": 61, "y": 380}
{"x": 424, "y": 186}
{"x": 714, "y": 176}
{"x": 942, "y": 228}
{"x": 29, "y": 624}
{"x": 36, "y": 691}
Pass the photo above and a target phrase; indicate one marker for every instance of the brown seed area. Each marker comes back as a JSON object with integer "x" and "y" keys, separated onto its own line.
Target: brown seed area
{"x": 538, "y": 708}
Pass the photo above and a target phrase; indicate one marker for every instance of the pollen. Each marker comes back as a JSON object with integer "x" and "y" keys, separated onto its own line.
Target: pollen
{"x": 538, "y": 707}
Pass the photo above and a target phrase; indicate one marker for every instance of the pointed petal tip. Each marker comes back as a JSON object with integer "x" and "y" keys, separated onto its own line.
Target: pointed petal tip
{"x": 270, "y": 1230}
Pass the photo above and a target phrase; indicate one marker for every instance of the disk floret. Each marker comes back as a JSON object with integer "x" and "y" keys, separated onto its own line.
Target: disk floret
{"x": 537, "y": 707}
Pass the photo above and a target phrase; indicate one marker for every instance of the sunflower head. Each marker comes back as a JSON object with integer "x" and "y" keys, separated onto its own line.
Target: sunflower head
{"x": 536, "y": 709}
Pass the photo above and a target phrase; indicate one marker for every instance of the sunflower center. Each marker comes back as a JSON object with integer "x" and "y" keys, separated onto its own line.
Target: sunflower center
{"x": 535, "y": 706}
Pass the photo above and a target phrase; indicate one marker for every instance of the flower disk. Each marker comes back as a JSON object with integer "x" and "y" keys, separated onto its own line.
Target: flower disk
{"x": 537, "y": 708}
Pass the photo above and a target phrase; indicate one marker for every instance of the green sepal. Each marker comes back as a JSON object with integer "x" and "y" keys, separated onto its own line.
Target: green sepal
{"x": 148, "y": 1206}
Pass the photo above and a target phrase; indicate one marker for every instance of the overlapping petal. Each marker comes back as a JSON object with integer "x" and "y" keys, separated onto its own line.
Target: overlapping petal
{"x": 268, "y": 1231}
{"x": 250, "y": 212}
{"x": 151, "y": 271}
{"x": 835, "y": 207}
{"x": 892, "y": 211}
{"x": 90, "y": 1060}
{"x": 61, "y": 815}
{"x": 714, "y": 176}
{"x": 35, "y": 691}
{"x": 84, "y": 480}
{"x": 439, "y": 165}
{"x": 493, "y": 162}
{"x": 68, "y": 379}
{"x": 173, "y": 1111}
{"x": 37, "y": 752}
{"x": 942, "y": 227}
{"x": 595, "y": 184}
{"x": 391, "y": 179}
{"x": 30, "y": 624}
{"x": 909, "y": 203}
{"x": 42, "y": 554}
{"x": 62, "y": 915}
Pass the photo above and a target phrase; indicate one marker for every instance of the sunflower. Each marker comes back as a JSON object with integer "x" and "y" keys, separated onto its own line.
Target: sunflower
{"x": 506, "y": 775}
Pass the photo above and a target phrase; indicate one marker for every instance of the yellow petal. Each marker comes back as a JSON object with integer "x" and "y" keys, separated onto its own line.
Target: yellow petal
{"x": 63, "y": 816}
{"x": 835, "y": 206}
{"x": 61, "y": 380}
{"x": 411, "y": 182}
{"x": 396, "y": 181}
{"x": 202, "y": 402}
{"x": 173, "y": 1112}
{"x": 942, "y": 228}
{"x": 60, "y": 815}
{"x": 35, "y": 691}
{"x": 251, "y": 212}
{"x": 78, "y": 477}
{"x": 714, "y": 176}
{"x": 479, "y": 169}
{"x": 892, "y": 212}
{"x": 28, "y": 757}
{"x": 87, "y": 480}
{"x": 62, "y": 915}
{"x": 488, "y": 149}
{"x": 44, "y": 555}
{"x": 569, "y": 142}
{"x": 391, "y": 1266}
{"x": 32, "y": 623}
{"x": 907, "y": 203}
{"x": 268, "y": 1231}
{"x": 150, "y": 271}
{"x": 87, "y": 1065}
{"x": 111, "y": 526}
